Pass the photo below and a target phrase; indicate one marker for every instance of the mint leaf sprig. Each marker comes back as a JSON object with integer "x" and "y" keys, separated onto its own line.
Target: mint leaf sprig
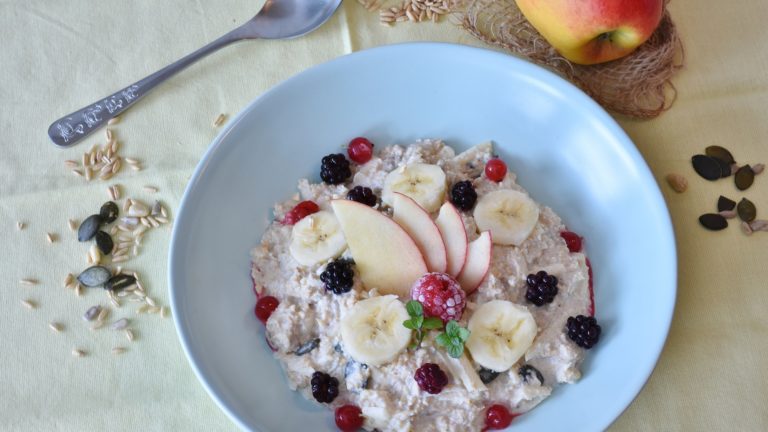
{"x": 419, "y": 323}
{"x": 453, "y": 339}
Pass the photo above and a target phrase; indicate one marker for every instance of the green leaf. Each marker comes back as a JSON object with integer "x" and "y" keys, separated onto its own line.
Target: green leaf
{"x": 463, "y": 334}
{"x": 418, "y": 321}
{"x": 433, "y": 323}
{"x": 409, "y": 324}
{"x": 452, "y": 328}
{"x": 455, "y": 351}
{"x": 414, "y": 308}
{"x": 443, "y": 340}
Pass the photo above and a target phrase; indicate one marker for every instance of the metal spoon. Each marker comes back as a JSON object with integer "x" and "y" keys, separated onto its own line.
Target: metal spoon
{"x": 278, "y": 19}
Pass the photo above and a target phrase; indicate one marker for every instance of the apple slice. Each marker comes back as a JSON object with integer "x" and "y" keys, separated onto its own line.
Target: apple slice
{"x": 386, "y": 257}
{"x": 478, "y": 262}
{"x": 419, "y": 225}
{"x": 454, "y": 236}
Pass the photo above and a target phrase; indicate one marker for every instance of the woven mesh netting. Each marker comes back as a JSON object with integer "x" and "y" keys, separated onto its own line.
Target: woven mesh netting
{"x": 638, "y": 85}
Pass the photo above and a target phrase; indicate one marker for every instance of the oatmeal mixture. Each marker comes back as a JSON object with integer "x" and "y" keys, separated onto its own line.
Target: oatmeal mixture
{"x": 315, "y": 327}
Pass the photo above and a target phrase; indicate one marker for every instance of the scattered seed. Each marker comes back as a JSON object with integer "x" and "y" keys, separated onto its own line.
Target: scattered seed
{"x": 94, "y": 255}
{"x": 153, "y": 310}
{"x": 132, "y": 161}
{"x": 721, "y": 153}
{"x": 724, "y": 203}
{"x": 713, "y": 221}
{"x": 56, "y": 327}
{"x": 115, "y": 303}
{"x": 29, "y": 282}
{"x": 104, "y": 242}
{"x": 114, "y": 146}
{"x": 307, "y": 347}
{"x": 108, "y": 212}
{"x": 108, "y": 133}
{"x": 78, "y": 352}
{"x": 29, "y": 304}
{"x": 92, "y": 313}
{"x": 118, "y": 350}
{"x": 119, "y": 324}
{"x": 129, "y": 335}
{"x": 119, "y": 282}
{"x": 136, "y": 167}
{"x": 89, "y": 227}
{"x": 138, "y": 209}
{"x": 759, "y": 225}
{"x": 758, "y": 168}
{"x": 116, "y": 166}
{"x": 71, "y": 163}
{"x": 747, "y": 210}
{"x": 219, "y": 120}
{"x": 72, "y": 224}
{"x": 20, "y": 226}
{"x": 150, "y": 301}
{"x": 744, "y": 177}
{"x": 94, "y": 276}
{"x": 163, "y": 213}
{"x": 150, "y": 189}
{"x": 50, "y": 237}
{"x": 706, "y": 167}
{"x": 77, "y": 172}
{"x": 725, "y": 168}
{"x": 142, "y": 309}
{"x": 68, "y": 280}
{"x": 135, "y": 250}
{"x": 78, "y": 290}
{"x": 113, "y": 121}
{"x": 97, "y": 325}
{"x": 746, "y": 228}
{"x": 677, "y": 182}
{"x": 728, "y": 214}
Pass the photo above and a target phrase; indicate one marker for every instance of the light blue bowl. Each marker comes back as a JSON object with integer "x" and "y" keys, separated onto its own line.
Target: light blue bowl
{"x": 567, "y": 152}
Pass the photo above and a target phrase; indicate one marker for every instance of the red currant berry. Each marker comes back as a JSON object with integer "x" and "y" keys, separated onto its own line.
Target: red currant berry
{"x": 498, "y": 417}
{"x": 572, "y": 239}
{"x": 264, "y": 308}
{"x": 360, "y": 150}
{"x": 495, "y": 170}
{"x": 302, "y": 210}
{"x": 349, "y": 418}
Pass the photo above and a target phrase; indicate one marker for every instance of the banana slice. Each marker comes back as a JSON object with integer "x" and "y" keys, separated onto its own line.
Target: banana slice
{"x": 424, "y": 183}
{"x": 317, "y": 238}
{"x": 501, "y": 332}
{"x": 509, "y": 215}
{"x": 373, "y": 331}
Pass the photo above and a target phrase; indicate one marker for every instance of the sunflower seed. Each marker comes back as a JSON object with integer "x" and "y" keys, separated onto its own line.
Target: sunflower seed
{"x": 724, "y": 203}
{"x": 92, "y": 313}
{"x": 747, "y": 210}
{"x": 721, "y": 153}
{"x": 728, "y": 214}
{"x": 706, "y": 167}
{"x": 119, "y": 282}
{"x": 138, "y": 209}
{"x": 713, "y": 221}
{"x": 29, "y": 304}
{"x": 88, "y": 228}
{"x": 758, "y": 168}
{"x": 528, "y": 372}
{"x": 744, "y": 177}
{"x": 746, "y": 228}
{"x": 104, "y": 242}
{"x": 29, "y": 282}
{"x": 118, "y": 350}
{"x": 759, "y": 225}
{"x": 94, "y": 255}
{"x": 56, "y": 327}
{"x": 119, "y": 324}
{"x": 725, "y": 168}
{"x": 94, "y": 276}
{"x": 78, "y": 352}
{"x": 108, "y": 212}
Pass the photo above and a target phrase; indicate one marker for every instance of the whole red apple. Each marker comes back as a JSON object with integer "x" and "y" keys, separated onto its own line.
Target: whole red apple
{"x": 593, "y": 31}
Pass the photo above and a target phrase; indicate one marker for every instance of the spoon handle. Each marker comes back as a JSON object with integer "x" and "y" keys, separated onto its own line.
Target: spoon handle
{"x": 72, "y": 128}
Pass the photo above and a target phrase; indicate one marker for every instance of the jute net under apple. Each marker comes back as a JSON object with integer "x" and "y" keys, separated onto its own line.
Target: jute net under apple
{"x": 638, "y": 85}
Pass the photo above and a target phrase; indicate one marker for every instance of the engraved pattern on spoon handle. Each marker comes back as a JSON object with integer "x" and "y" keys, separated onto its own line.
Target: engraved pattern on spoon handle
{"x": 72, "y": 128}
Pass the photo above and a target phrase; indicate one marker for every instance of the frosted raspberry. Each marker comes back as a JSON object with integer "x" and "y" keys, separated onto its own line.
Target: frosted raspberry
{"x": 440, "y": 295}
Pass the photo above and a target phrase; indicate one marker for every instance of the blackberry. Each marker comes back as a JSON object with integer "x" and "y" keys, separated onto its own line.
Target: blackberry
{"x": 542, "y": 288}
{"x": 463, "y": 195}
{"x": 334, "y": 169}
{"x": 363, "y": 195}
{"x": 325, "y": 388}
{"x": 527, "y": 372}
{"x": 338, "y": 276}
{"x": 431, "y": 378}
{"x": 583, "y": 330}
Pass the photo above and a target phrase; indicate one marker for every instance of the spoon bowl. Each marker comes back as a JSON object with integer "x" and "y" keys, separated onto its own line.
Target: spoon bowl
{"x": 277, "y": 19}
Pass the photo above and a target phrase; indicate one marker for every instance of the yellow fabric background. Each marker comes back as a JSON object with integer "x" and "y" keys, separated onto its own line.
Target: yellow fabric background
{"x": 56, "y": 56}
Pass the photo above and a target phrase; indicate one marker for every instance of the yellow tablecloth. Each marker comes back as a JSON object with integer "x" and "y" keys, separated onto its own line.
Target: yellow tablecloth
{"x": 59, "y": 55}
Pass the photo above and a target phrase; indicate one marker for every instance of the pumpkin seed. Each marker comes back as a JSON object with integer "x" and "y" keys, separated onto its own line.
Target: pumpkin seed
{"x": 725, "y": 204}
{"x": 307, "y": 347}
{"x": 109, "y": 212}
{"x": 725, "y": 168}
{"x": 721, "y": 153}
{"x": 104, "y": 242}
{"x": 707, "y": 167}
{"x": 746, "y": 209}
{"x": 119, "y": 282}
{"x": 88, "y": 228}
{"x": 744, "y": 177}
{"x": 94, "y": 276}
{"x": 713, "y": 221}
